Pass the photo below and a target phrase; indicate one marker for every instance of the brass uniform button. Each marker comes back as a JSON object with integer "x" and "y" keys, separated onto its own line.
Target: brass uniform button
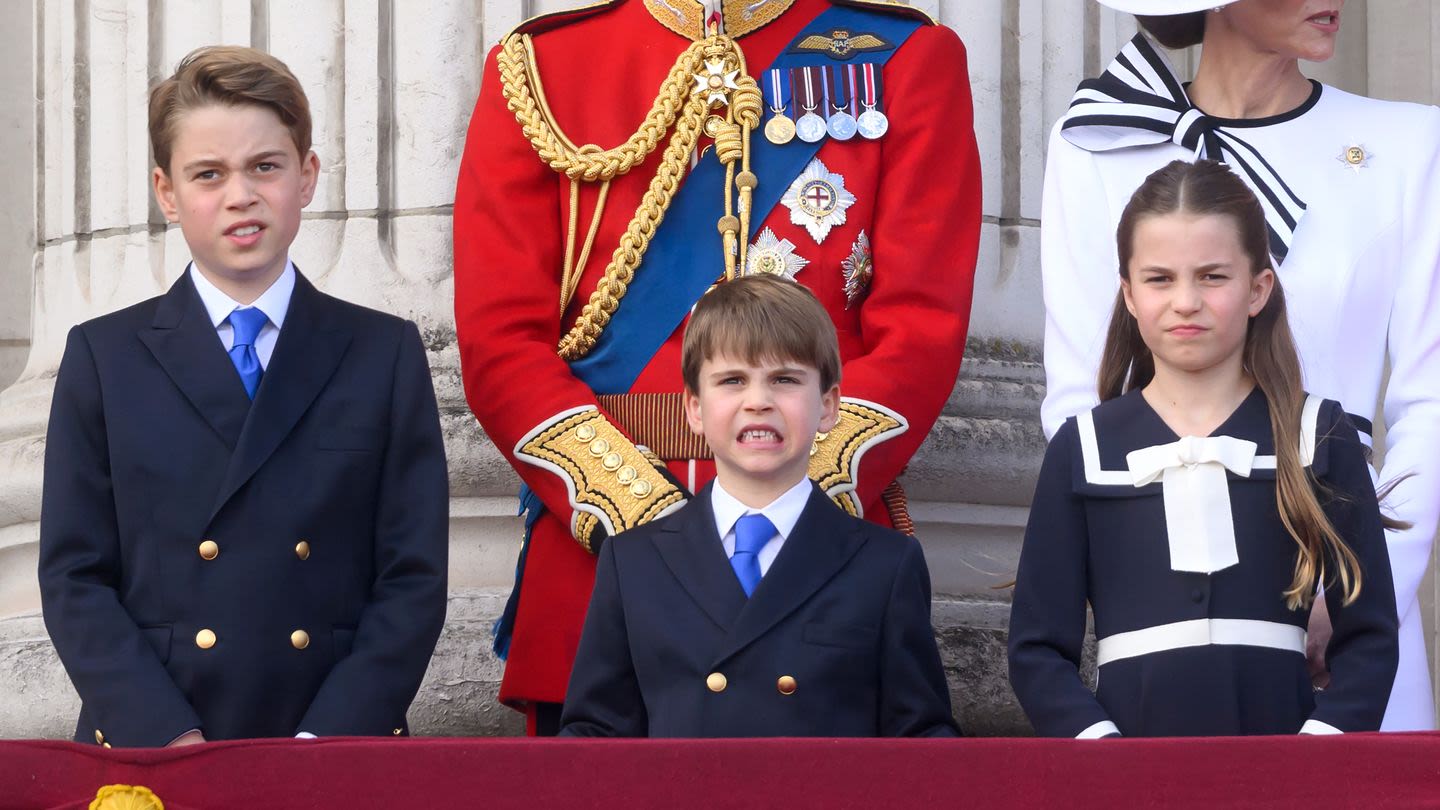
{"x": 209, "y": 550}
{"x": 99, "y": 738}
{"x": 396, "y": 732}
{"x": 625, "y": 475}
{"x": 612, "y": 461}
{"x": 716, "y": 682}
{"x": 205, "y": 639}
{"x": 299, "y": 639}
{"x": 786, "y": 685}
{"x": 302, "y": 550}
{"x": 640, "y": 488}
{"x": 585, "y": 433}
{"x": 599, "y": 447}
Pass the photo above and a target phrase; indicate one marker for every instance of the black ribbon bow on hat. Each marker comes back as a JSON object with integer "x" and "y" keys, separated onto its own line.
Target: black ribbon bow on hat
{"x": 1139, "y": 101}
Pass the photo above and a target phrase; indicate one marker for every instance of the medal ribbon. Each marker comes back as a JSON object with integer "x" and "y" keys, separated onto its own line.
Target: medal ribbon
{"x": 871, "y": 98}
{"x": 779, "y": 91}
{"x": 801, "y": 77}
{"x": 840, "y": 84}
{"x": 678, "y": 268}
{"x": 821, "y": 75}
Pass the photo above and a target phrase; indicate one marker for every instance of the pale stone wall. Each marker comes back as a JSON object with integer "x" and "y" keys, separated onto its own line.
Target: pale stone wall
{"x": 391, "y": 85}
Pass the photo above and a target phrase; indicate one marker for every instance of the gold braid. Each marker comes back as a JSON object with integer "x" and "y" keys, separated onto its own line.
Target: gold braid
{"x": 676, "y": 106}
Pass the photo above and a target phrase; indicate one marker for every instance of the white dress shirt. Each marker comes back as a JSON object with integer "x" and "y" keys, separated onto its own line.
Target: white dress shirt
{"x": 783, "y": 513}
{"x": 274, "y": 302}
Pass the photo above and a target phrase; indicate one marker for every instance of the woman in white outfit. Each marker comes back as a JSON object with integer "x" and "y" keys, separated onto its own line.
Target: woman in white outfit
{"x": 1351, "y": 188}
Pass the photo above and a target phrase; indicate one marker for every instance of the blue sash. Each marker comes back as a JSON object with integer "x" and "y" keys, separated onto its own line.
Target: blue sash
{"x": 684, "y": 259}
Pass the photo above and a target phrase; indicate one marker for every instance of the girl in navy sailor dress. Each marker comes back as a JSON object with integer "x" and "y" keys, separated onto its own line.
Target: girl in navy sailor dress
{"x": 1195, "y": 522}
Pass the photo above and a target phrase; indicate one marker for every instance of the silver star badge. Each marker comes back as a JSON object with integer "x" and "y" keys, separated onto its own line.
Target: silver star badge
{"x": 1355, "y": 157}
{"x": 715, "y": 81}
{"x": 857, "y": 268}
{"x": 774, "y": 256}
{"x": 817, "y": 200}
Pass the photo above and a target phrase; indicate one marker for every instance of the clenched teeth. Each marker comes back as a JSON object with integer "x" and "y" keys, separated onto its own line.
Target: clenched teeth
{"x": 759, "y": 436}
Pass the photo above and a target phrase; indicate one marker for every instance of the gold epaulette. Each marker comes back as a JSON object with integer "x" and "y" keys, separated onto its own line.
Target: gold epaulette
{"x": 835, "y": 461}
{"x": 890, "y": 6}
{"x": 541, "y": 23}
{"x": 610, "y": 482}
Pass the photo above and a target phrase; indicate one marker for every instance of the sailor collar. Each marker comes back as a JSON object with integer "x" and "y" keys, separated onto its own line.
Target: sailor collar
{"x": 1113, "y": 431}
{"x": 738, "y": 17}
{"x": 1192, "y": 473}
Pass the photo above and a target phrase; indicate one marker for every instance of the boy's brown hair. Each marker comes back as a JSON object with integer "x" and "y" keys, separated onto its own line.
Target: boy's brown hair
{"x": 762, "y": 317}
{"x": 229, "y": 75}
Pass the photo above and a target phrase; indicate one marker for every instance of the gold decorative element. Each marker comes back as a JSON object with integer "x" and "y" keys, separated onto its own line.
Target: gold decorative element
{"x": 786, "y": 685}
{"x": 126, "y": 797}
{"x": 205, "y": 639}
{"x": 302, "y": 550}
{"x": 299, "y": 639}
{"x": 709, "y": 73}
{"x": 716, "y": 682}
{"x": 841, "y": 44}
{"x": 598, "y": 494}
{"x": 687, "y": 17}
{"x": 209, "y": 550}
{"x": 834, "y": 465}
{"x": 585, "y": 433}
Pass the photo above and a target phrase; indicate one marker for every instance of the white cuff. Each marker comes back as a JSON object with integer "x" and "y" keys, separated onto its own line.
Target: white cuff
{"x": 1098, "y": 730}
{"x": 1313, "y": 726}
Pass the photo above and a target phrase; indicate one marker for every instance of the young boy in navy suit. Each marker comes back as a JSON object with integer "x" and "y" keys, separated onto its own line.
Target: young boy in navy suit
{"x": 244, "y": 523}
{"x": 760, "y": 608}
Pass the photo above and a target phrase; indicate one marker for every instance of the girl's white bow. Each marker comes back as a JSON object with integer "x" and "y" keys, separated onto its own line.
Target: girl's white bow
{"x": 1198, "y": 520}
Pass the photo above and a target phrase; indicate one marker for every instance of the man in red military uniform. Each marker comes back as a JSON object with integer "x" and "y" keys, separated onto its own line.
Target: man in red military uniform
{"x": 830, "y": 141}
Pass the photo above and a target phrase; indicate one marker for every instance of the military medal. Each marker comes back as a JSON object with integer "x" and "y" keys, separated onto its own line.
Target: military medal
{"x": 779, "y": 129}
{"x": 838, "y": 83}
{"x": 810, "y": 127}
{"x": 774, "y": 256}
{"x": 872, "y": 123}
{"x": 857, "y": 269}
{"x": 817, "y": 200}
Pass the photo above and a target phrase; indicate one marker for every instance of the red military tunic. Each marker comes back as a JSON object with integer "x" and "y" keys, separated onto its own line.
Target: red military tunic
{"x": 917, "y": 199}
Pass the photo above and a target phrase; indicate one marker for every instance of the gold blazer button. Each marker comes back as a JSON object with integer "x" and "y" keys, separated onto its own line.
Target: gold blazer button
{"x": 209, "y": 550}
{"x": 786, "y": 685}
{"x": 299, "y": 639}
{"x": 205, "y": 639}
{"x": 716, "y": 682}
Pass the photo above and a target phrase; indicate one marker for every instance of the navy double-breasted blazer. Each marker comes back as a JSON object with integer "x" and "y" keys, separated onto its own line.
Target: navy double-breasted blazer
{"x": 248, "y": 569}
{"x": 835, "y": 641}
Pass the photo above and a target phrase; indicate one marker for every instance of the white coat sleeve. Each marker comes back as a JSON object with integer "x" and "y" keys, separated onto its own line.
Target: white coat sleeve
{"x": 1080, "y": 276}
{"x": 1412, "y": 398}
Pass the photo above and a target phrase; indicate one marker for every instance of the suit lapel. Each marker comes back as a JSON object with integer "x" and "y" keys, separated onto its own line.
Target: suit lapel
{"x": 692, "y": 550}
{"x": 185, "y": 344}
{"x": 306, "y": 355}
{"x": 822, "y": 542}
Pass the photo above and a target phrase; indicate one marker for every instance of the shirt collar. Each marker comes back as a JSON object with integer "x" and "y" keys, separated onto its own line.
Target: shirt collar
{"x": 274, "y": 302}
{"x": 783, "y": 512}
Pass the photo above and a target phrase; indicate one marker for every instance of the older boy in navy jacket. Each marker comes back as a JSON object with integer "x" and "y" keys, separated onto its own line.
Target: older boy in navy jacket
{"x": 818, "y": 623}
{"x": 243, "y": 530}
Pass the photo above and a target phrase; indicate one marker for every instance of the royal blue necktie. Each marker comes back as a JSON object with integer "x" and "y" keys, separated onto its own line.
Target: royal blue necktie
{"x": 247, "y": 324}
{"x": 752, "y": 532}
